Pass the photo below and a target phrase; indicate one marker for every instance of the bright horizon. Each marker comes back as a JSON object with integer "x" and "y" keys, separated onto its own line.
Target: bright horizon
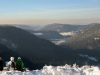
{"x": 42, "y": 12}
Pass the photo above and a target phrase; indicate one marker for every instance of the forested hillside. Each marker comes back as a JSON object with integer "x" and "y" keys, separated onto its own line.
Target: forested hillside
{"x": 63, "y": 27}
{"x": 89, "y": 38}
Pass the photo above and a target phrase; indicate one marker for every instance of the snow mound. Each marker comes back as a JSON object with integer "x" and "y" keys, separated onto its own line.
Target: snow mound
{"x": 58, "y": 70}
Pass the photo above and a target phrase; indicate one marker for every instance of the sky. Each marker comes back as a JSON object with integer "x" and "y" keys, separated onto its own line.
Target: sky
{"x": 42, "y": 12}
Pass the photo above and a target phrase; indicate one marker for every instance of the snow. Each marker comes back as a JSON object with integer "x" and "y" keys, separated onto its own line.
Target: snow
{"x": 91, "y": 58}
{"x": 58, "y": 70}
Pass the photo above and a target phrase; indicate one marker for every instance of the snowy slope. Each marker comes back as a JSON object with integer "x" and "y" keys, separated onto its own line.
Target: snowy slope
{"x": 58, "y": 70}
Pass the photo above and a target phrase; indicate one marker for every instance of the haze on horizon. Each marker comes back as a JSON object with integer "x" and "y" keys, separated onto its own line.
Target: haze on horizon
{"x": 44, "y": 12}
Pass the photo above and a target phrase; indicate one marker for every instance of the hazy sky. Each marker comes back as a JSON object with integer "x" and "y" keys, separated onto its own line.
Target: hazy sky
{"x": 49, "y": 11}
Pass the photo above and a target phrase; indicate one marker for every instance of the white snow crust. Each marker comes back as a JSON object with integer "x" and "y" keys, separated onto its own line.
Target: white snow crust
{"x": 58, "y": 70}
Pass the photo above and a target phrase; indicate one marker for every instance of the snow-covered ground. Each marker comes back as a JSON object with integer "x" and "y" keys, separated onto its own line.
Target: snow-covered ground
{"x": 58, "y": 70}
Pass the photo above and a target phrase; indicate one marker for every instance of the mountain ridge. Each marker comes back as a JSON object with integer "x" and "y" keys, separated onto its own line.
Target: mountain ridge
{"x": 33, "y": 47}
{"x": 88, "y": 38}
{"x": 40, "y": 51}
{"x": 63, "y": 27}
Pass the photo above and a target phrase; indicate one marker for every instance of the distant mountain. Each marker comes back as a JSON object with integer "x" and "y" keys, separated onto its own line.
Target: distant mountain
{"x": 47, "y": 34}
{"x": 63, "y": 27}
{"x": 40, "y": 51}
{"x": 89, "y": 38}
{"x": 27, "y": 27}
{"x": 28, "y": 45}
{"x": 22, "y": 26}
{"x": 23, "y": 41}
